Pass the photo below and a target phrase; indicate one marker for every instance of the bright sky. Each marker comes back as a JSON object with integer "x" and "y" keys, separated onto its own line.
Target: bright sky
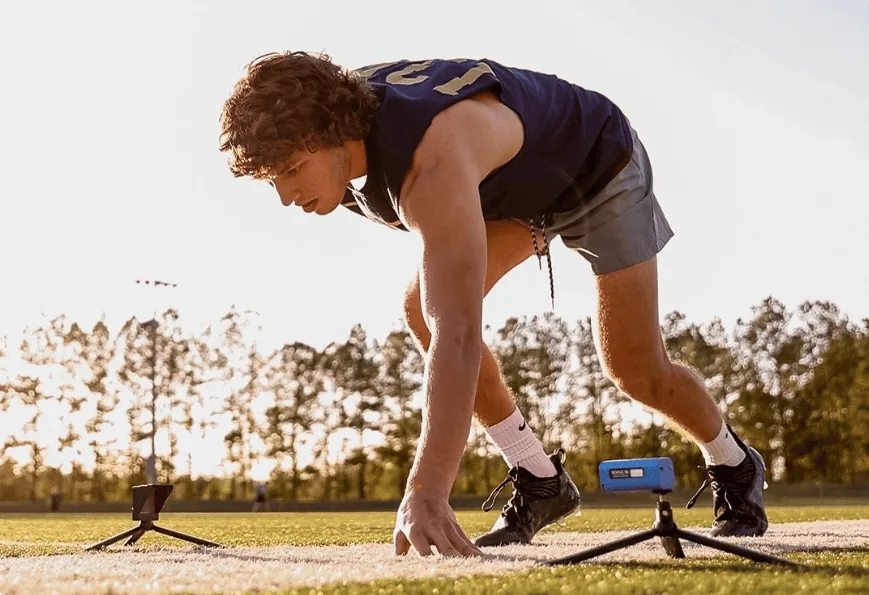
{"x": 755, "y": 114}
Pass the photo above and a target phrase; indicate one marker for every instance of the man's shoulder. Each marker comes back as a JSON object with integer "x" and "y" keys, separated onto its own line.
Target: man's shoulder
{"x": 481, "y": 132}
{"x": 412, "y": 94}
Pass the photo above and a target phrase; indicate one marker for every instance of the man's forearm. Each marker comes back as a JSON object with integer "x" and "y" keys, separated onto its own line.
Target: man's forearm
{"x": 452, "y": 370}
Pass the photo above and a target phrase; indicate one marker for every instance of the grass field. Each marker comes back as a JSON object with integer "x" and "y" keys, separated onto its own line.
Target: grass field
{"x": 843, "y": 570}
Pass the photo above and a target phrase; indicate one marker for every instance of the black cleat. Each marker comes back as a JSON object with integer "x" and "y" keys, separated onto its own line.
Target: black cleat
{"x": 536, "y": 503}
{"x": 737, "y": 496}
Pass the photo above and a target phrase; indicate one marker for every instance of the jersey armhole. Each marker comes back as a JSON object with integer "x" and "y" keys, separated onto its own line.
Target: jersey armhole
{"x": 492, "y": 84}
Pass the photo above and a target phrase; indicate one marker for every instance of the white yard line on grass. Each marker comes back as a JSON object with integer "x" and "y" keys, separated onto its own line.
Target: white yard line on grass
{"x": 151, "y": 570}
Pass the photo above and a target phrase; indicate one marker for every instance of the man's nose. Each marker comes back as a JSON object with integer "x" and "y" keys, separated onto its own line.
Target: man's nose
{"x": 288, "y": 196}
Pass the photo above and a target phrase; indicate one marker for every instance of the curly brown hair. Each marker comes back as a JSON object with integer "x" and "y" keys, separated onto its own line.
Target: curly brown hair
{"x": 291, "y": 101}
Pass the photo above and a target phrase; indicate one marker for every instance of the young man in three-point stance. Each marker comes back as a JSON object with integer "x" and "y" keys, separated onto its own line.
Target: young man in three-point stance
{"x": 487, "y": 164}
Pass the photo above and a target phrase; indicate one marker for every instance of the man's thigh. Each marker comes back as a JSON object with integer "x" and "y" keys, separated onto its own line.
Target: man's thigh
{"x": 508, "y": 244}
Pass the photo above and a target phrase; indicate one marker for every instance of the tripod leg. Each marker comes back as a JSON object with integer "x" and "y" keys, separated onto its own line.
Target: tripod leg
{"x": 604, "y": 549}
{"x": 185, "y": 537}
{"x": 111, "y": 540}
{"x": 672, "y": 546}
{"x": 135, "y": 537}
{"x": 733, "y": 549}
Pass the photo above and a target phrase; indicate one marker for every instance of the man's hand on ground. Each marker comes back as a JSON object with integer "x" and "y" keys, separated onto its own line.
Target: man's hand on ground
{"x": 425, "y": 520}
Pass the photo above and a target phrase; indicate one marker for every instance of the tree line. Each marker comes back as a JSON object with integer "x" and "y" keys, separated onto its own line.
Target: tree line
{"x": 342, "y": 422}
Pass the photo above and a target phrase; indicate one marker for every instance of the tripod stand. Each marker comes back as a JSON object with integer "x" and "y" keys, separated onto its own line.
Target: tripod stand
{"x": 148, "y": 500}
{"x": 144, "y": 526}
{"x": 665, "y": 528}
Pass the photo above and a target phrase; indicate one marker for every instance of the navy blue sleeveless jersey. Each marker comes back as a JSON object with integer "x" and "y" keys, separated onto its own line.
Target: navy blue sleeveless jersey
{"x": 576, "y": 140}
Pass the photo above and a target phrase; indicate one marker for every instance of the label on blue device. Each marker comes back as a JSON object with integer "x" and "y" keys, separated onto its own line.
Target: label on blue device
{"x": 625, "y": 473}
{"x": 631, "y": 475}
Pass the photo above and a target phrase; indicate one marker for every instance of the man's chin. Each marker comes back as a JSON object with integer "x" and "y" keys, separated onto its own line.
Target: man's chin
{"x": 325, "y": 209}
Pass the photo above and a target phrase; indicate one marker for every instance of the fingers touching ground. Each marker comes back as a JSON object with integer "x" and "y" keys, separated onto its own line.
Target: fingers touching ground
{"x": 461, "y": 542}
{"x": 402, "y": 545}
{"x": 423, "y": 522}
{"x": 449, "y": 540}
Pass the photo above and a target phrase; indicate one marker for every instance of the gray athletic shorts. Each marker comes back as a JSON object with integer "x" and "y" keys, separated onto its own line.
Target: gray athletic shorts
{"x": 622, "y": 225}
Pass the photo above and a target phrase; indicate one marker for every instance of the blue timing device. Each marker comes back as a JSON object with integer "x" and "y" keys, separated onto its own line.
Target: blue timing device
{"x": 637, "y": 475}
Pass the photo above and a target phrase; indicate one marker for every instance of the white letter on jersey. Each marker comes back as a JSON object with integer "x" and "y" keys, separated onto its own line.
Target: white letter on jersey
{"x": 451, "y": 87}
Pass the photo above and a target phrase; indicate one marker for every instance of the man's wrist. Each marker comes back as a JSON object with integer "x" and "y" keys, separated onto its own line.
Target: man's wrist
{"x": 447, "y": 419}
{"x": 420, "y": 482}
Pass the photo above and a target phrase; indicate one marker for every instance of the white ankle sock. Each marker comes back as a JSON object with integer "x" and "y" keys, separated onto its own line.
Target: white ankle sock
{"x": 519, "y": 446}
{"x": 723, "y": 450}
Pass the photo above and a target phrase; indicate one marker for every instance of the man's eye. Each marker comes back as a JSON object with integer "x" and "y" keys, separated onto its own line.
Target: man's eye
{"x": 289, "y": 172}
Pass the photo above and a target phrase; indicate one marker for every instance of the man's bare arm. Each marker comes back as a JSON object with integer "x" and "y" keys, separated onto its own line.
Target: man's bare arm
{"x": 441, "y": 201}
{"x": 452, "y": 274}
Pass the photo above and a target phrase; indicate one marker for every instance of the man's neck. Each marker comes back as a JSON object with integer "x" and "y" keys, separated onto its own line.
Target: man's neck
{"x": 358, "y": 158}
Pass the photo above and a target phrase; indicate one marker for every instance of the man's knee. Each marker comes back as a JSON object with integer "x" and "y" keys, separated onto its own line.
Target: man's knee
{"x": 650, "y": 383}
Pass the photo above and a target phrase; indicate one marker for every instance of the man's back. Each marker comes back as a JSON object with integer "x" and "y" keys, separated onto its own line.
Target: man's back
{"x": 575, "y": 140}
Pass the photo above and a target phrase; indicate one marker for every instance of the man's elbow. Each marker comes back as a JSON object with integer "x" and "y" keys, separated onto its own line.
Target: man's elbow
{"x": 463, "y": 334}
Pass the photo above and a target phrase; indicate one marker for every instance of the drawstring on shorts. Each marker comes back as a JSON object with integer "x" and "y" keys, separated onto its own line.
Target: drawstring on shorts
{"x": 544, "y": 252}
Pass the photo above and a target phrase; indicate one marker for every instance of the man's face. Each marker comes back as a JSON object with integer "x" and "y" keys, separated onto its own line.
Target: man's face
{"x": 315, "y": 181}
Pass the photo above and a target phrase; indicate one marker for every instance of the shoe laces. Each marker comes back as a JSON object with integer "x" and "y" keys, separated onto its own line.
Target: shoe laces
{"x": 521, "y": 489}
{"x": 516, "y": 503}
{"x": 706, "y": 483}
